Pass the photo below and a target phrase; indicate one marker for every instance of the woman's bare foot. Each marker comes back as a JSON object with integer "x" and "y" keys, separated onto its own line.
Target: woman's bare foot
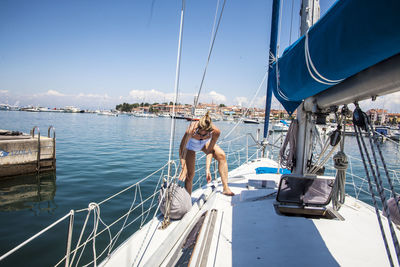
{"x": 228, "y": 192}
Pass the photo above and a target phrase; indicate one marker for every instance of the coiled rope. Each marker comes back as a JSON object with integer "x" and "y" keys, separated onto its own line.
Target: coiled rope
{"x": 338, "y": 191}
{"x": 340, "y": 164}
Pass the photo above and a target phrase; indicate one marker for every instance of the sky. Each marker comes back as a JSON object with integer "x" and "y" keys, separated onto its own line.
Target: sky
{"x": 97, "y": 54}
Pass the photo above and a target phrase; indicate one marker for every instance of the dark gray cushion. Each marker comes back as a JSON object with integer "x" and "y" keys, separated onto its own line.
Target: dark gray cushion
{"x": 394, "y": 211}
{"x": 181, "y": 202}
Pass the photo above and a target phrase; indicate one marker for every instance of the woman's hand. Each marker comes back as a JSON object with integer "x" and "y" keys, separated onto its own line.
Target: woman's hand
{"x": 182, "y": 176}
{"x": 183, "y": 173}
{"x": 208, "y": 176}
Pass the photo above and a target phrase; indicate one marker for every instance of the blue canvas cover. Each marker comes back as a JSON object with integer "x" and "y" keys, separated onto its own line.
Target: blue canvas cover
{"x": 352, "y": 36}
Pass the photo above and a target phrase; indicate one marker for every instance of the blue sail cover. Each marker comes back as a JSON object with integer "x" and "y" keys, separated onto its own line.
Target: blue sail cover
{"x": 352, "y": 36}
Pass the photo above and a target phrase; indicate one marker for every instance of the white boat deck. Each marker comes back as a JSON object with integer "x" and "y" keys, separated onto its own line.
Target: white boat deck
{"x": 247, "y": 231}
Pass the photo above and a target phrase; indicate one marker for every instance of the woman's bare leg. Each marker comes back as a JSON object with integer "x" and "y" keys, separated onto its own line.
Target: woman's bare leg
{"x": 190, "y": 167}
{"x": 219, "y": 155}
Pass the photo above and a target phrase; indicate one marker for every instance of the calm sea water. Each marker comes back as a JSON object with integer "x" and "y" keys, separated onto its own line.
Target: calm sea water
{"x": 97, "y": 156}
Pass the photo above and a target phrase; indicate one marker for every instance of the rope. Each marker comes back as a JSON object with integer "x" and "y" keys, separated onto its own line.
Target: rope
{"x": 95, "y": 207}
{"x": 148, "y": 230}
{"x": 318, "y": 164}
{"x": 96, "y": 217}
{"x": 92, "y": 206}
{"x": 378, "y": 180}
{"x": 340, "y": 164}
{"x": 129, "y": 187}
{"x": 123, "y": 225}
{"x": 359, "y": 137}
{"x": 79, "y": 240}
{"x": 387, "y": 172}
{"x": 309, "y": 63}
{"x": 338, "y": 191}
{"x": 288, "y": 157}
{"x": 322, "y": 163}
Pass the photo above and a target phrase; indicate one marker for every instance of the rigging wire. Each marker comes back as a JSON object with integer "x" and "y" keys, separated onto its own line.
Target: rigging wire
{"x": 276, "y": 58}
{"x": 251, "y": 103}
{"x": 291, "y": 24}
{"x": 213, "y": 37}
{"x": 173, "y": 123}
{"x": 213, "y": 28}
{"x": 177, "y": 75}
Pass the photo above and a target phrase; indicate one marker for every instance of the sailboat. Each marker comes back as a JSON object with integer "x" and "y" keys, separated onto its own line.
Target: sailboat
{"x": 278, "y": 218}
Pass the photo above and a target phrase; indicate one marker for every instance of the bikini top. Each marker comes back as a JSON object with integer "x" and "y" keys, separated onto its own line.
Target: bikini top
{"x": 197, "y": 145}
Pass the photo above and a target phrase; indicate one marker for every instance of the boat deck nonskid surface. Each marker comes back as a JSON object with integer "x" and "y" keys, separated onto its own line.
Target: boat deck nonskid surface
{"x": 248, "y": 231}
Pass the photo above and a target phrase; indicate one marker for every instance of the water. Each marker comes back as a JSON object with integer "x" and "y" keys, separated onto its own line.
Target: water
{"x": 97, "y": 156}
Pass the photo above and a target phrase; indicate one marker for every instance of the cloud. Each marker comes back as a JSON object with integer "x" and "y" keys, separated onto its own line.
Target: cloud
{"x": 241, "y": 100}
{"x": 150, "y": 95}
{"x": 54, "y": 98}
{"x": 54, "y": 93}
{"x": 82, "y": 95}
{"x": 216, "y": 97}
{"x": 259, "y": 102}
{"x": 389, "y": 102}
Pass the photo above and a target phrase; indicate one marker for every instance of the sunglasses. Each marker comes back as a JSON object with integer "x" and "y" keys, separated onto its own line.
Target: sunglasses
{"x": 202, "y": 135}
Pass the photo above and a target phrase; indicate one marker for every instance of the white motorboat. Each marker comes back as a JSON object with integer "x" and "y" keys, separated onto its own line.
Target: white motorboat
{"x": 281, "y": 126}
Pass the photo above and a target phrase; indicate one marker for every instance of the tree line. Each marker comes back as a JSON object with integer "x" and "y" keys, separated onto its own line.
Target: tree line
{"x": 126, "y": 107}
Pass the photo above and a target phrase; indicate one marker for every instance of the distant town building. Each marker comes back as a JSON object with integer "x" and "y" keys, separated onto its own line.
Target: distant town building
{"x": 200, "y": 112}
{"x": 377, "y": 116}
{"x": 393, "y": 118}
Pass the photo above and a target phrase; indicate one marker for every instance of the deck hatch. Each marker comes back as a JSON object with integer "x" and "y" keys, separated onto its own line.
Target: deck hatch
{"x": 304, "y": 190}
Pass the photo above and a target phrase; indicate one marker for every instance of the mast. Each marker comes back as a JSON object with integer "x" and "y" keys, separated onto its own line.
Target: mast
{"x": 272, "y": 55}
{"x": 309, "y": 15}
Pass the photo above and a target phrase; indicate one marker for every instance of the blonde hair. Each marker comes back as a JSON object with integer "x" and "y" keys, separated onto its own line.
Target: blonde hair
{"x": 205, "y": 122}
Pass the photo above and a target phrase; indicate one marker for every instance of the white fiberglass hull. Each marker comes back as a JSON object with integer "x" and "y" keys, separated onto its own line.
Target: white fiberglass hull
{"x": 247, "y": 231}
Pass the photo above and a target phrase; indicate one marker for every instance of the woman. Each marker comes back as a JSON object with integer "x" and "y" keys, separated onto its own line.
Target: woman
{"x": 202, "y": 135}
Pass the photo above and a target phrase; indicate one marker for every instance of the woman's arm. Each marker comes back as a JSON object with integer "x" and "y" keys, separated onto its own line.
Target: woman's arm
{"x": 182, "y": 151}
{"x": 188, "y": 134}
{"x": 215, "y": 135}
{"x": 208, "y": 163}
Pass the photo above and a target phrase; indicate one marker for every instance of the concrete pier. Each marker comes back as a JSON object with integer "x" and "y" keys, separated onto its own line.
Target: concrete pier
{"x": 24, "y": 154}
